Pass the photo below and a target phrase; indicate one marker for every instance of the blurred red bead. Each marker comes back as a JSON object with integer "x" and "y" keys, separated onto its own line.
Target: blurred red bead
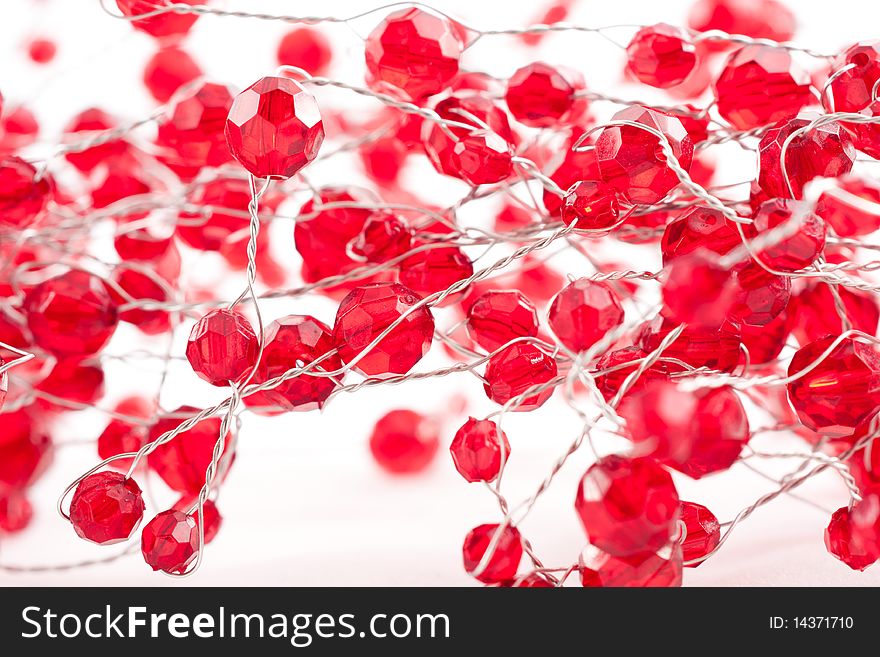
{"x": 813, "y": 312}
{"x": 715, "y": 348}
{"x": 194, "y": 132}
{"x": 503, "y": 561}
{"x": 306, "y": 48}
{"x": 854, "y": 75}
{"x": 614, "y": 364}
{"x": 71, "y": 385}
{"x": 760, "y": 19}
{"x": 22, "y": 196}
{"x": 41, "y": 50}
{"x": 807, "y": 237}
{"x": 168, "y": 70}
{"x": 404, "y": 442}
{"x": 170, "y": 542}
{"x": 517, "y": 369}
{"x": 16, "y": 511}
{"x": 434, "y": 270}
{"x": 25, "y": 449}
{"x": 121, "y": 436}
{"x": 89, "y": 124}
{"x": 106, "y": 508}
{"x": 852, "y": 207}
{"x": 649, "y": 570}
{"x": 478, "y": 449}
{"x": 499, "y": 316}
{"x": 661, "y": 55}
{"x": 698, "y": 291}
{"x": 703, "y": 532}
{"x": 222, "y": 347}
{"x": 583, "y": 312}
{"x": 167, "y": 25}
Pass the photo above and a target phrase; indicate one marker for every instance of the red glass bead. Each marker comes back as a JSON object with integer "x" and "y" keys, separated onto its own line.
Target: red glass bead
{"x": 761, "y": 85}
{"x": 88, "y": 123}
{"x": 583, "y": 312}
{"x": 504, "y": 559}
{"x": 73, "y": 381}
{"x": 106, "y": 508}
{"x": 866, "y": 136}
{"x": 194, "y": 131}
{"x": 650, "y": 570}
{"x": 224, "y": 203}
{"x": 759, "y": 19}
{"x": 170, "y": 542}
{"x": 414, "y": 53}
{"x": 698, "y": 291}
{"x": 826, "y": 152}
{"x": 715, "y": 348}
{"x": 404, "y": 442}
{"x": 841, "y": 391}
{"x": 765, "y": 342}
{"x": 292, "y": 341}
{"x": 274, "y": 128}
{"x": 162, "y": 26}
{"x": 306, "y": 48}
{"x": 512, "y": 217}
{"x": 814, "y": 314}
{"x": 383, "y": 237}
{"x": 434, "y": 270}
{"x": 627, "y": 506}
{"x": 213, "y": 519}
{"x": 141, "y": 286}
{"x": 222, "y": 347}
{"x": 661, "y": 56}
{"x": 699, "y": 228}
{"x": 18, "y": 129}
{"x": 478, "y": 449}
{"x": 852, "y": 208}
{"x": 181, "y": 462}
{"x": 117, "y": 183}
{"x": 573, "y": 166}
{"x": 592, "y": 205}
{"x": 22, "y": 197}
{"x": 852, "y": 89}
{"x": 499, "y": 316}
{"x": 800, "y": 249}
{"x": 516, "y": 369}
{"x": 41, "y": 50}
{"x": 383, "y": 159}
{"x": 610, "y": 382}
{"x": 168, "y": 70}
{"x": 16, "y": 511}
{"x": 121, "y": 437}
{"x": 703, "y": 532}
{"x": 71, "y": 314}
{"x": 540, "y": 95}
{"x": 25, "y": 449}
{"x": 368, "y": 311}
{"x": 853, "y": 536}
{"x": 631, "y": 160}
{"x": 532, "y": 581}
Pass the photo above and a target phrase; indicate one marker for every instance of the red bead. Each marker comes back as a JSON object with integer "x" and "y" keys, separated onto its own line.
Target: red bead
{"x": 106, "y": 508}
{"x": 194, "y": 131}
{"x": 660, "y": 569}
{"x": 699, "y": 228}
{"x": 141, "y": 286}
{"x": 434, "y": 270}
{"x": 583, "y": 312}
{"x": 121, "y": 437}
{"x": 274, "y": 128}
{"x": 15, "y": 511}
{"x": 25, "y": 449}
{"x": 168, "y": 70}
{"x": 504, "y": 559}
{"x": 661, "y": 56}
{"x": 631, "y": 160}
{"x": 541, "y": 96}
{"x": 414, "y": 53}
{"x": 866, "y": 136}
{"x": 715, "y": 348}
{"x": 841, "y": 391}
{"x": 22, "y": 198}
{"x": 698, "y": 291}
{"x": 499, "y": 316}
{"x": 800, "y": 249}
{"x": 478, "y": 449}
{"x": 167, "y": 25}
{"x": 290, "y": 342}
{"x": 516, "y": 369}
{"x": 18, "y": 128}
{"x": 41, "y": 50}
{"x": 853, "y": 536}
{"x": 761, "y": 85}
{"x": 759, "y": 19}
{"x": 532, "y": 581}
{"x": 573, "y": 166}
{"x": 225, "y": 205}
{"x": 74, "y": 381}
{"x": 760, "y": 296}
{"x": 222, "y": 347}
{"x": 306, "y": 48}
{"x": 87, "y": 124}
{"x": 592, "y": 205}
{"x": 627, "y": 506}
{"x": 703, "y": 532}
{"x": 852, "y": 90}
{"x": 72, "y": 314}
{"x": 852, "y": 208}
{"x": 213, "y": 519}
{"x": 610, "y": 383}
{"x": 404, "y": 442}
{"x": 170, "y": 542}
{"x": 181, "y": 462}
{"x": 384, "y": 236}
{"x": 765, "y": 342}
{"x": 368, "y": 311}
{"x": 826, "y": 152}
{"x": 814, "y": 315}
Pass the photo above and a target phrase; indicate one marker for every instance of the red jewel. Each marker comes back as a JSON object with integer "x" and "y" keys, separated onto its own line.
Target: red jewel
{"x": 368, "y": 311}
{"x": 764, "y": 19}
{"x": 853, "y": 536}
{"x": 384, "y": 236}
{"x": 541, "y": 96}
{"x": 434, "y": 270}
{"x": 699, "y": 228}
{"x": 182, "y": 461}
{"x": 294, "y": 341}
{"x": 592, "y": 205}
{"x": 765, "y": 343}
{"x": 141, "y": 286}
{"x": 715, "y": 348}
{"x": 499, "y": 316}
{"x": 574, "y": 166}
{"x": 852, "y": 89}
{"x": 305, "y": 48}
{"x": 825, "y": 152}
{"x": 222, "y": 347}
{"x": 72, "y": 314}
{"x": 799, "y": 250}
{"x": 841, "y": 391}
{"x": 516, "y": 369}
{"x": 477, "y": 450}
{"x": 274, "y": 128}
{"x": 627, "y": 506}
{"x": 25, "y": 450}
{"x": 74, "y": 381}
{"x": 194, "y": 131}
{"x": 119, "y": 182}
{"x": 213, "y": 519}
{"x": 404, "y": 442}
{"x": 15, "y": 511}
{"x": 761, "y": 85}
{"x": 852, "y": 208}
{"x": 21, "y": 197}
{"x": 168, "y": 70}
{"x": 504, "y": 560}
{"x": 631, "y": 160}
{"x": 41, "y": 50}
{"x": 168, "y": 25}
{"x": 661, "y": 56}
{"x": 864, "y": 464}
{"x": 210, "y": 231}
{"x": 611, "y": 382}
{"x": 583, "y": 312}
{"x": 814, "y": 315}
{"x": 698, "y": 291}
{"x": 866, "y": 136}
{"x": 170, "y": 542}
{"x": 660, "y": 569}
{"x": 703, "y": 532}
{"x": 90, "y": 122}
{"x": 18, "y": 129}
{"x": 121, "y": 437}
{"x": 106, "y": 508}
{"x": 413, "y": 52}
{"x": 760, "y": 296}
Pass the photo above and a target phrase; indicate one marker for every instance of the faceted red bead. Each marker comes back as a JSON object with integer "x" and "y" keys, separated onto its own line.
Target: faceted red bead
{"x": 583, "y": 312}
{"x": 478, "y": 449}
{"x": 610, "y": 382}
{"x": 503, "y": 561}
{"x": 292, "y": 341}
{"x": 89, "y": 123}
{"x": 800, "y": 249}
{"x": 274, "y": 128}
{"x": 141, "y": 286}
{"x": 25, "y": 449}
{"x": 532, "y": 581}
{"x": 73, "y": 381}
{"x": 760, "y": 296}
{"x": 181, "y": 462}
{"x": 852, "y": 89}
{"x": 853, "y": 536}
{"x": 16, "y": 511}
{"x": 122, "y": 437}
{"x": 573, "y": 166}
{"x": 71, "y": 314}
{"x": 715, "y": 348}
{"x": 414, "y": 53}
{"x": 194, "y": 131}
{"x": 119, "y": 182}
{"x": 168, "y": 70}
{"x": 765, "y": 342}
{"x": 631, "y": 160}
{"x": 652, "y": 569}
{"x": 698, "y": 291}
{"x": 826, "y": 152}
{"x": 222, "y": 347}
{"x": 627, "y": 506}
{"x": 306, "y": 48}
{"x": 384, "y": 236}
{"x": 499, "y": 316}
{"x": 761, "y": 85}
{"x": 213, "y": 519}
{"x": 851, "y": 208}
{"x": 162, "y": 26}
{"x": 703, "y": 532}
{"x": 592, "y": 205}
{"x": 434, "y": 270}
{"x": 516, "y": 369}
{"x": 22, "y": 198}
{"x": 404, "y": 441}
{"x": 106, "y": 508}
{"x": 366, "y": 312}
{"x": 844, "y": 389}
{"x": 661, "y": 55}
{"x": 814, "y": 315}
{"x": 170, "y": 542}
{"x": 540, "y": 95}
{"x": 699, "y": 228}
{"x": 866, "y": 136}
